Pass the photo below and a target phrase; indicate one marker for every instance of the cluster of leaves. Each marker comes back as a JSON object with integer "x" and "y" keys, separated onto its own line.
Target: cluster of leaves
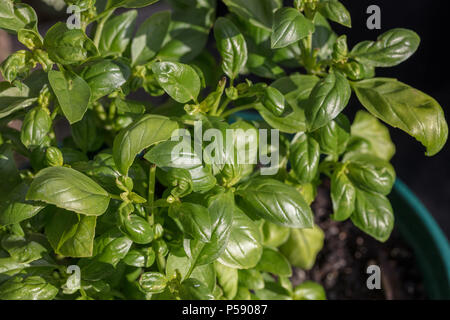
{"x": 112, "y": 200}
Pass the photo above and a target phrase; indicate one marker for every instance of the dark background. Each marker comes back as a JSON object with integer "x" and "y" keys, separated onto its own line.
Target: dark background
{"x": 428, "y": 70}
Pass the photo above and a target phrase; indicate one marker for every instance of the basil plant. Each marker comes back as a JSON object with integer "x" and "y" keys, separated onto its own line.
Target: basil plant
{"x": 112, "y": 211}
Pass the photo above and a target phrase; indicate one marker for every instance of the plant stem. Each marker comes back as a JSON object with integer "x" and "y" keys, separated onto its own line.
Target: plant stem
{"x": 114, "y": 196}
{"x": 101, "y": 24}
{"x": 237, "y": 109}
{"x": 151, "y": 187}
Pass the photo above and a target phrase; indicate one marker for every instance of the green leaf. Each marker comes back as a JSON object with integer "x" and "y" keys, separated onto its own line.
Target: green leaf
{"x": 8, "y": 170}
{"x": 274, "y": 262}
{"x": 192, "y": 289}
{"x": 371, "y": 173}
{"x": 178, "y": 80}
{"x": 152, "y": 282}
{"x": 251, "y": 279}
{"x": 335, "y": 11}
{"x": 105, "y": 76}
{"x": 165, "y": 155}
{"x": 116, "y": 34}
{"x": 35, "y": 127}
{"x": 149, "y": 37}
{"x": 30, "y": 288}
{"x": 148, "y": 130}
{"x": 369, "y": 128}
{"x": 257, "y": 12}
{"x": 227, "y": 278}
{"x": 16, "y": 16}
{"x": 69, "y": 189}
{"x": 72, "y": 92}
{"x": 274, "y": 235}
{"x": 302, "y": 247}
{"x": 373, "y": 215}
{"x": 231, "y": 45}
{"x": 289, "y": 26}
{"x": 244, "y": 247}
{"x": 205, "y": 273}
{"x": 276, "y": 202}
{"x": 309, "y": 290}
{"x": 304, "y": 156}
{"x": 68, "y": 46}
{"x": 84, "y": 133}
{"x": 112, "y": 252}
{"x": 406, "y": 108}
{"x": 334, "y": 137}
{"x": 23, "y": 250}
{"x": 15, "y": 208}
{"x": 296, "y": 89}
{"x": 323, "y": 38}
{"x": 71, "y": 234}
{"x": 13, "y": 98}
{"x": 195, "y": 219}
{"x": 274, "y": 101}
{"x": 343, "y": 195}
{"x": 391, "y": 48}
{"x": 137, "y": 229}
{"x": 328, "y": 98}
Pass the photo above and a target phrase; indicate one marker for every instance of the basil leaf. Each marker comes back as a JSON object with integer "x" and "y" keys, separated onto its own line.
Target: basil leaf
{"x": 274, "y": 262}
{"x": 304, "y": 156}
{"x": 251, "y": 279}
{"x": 391, "y": 48}
{"x": 140, "y": 258}
{"x": 15, "y": 208}
{"x": 178, "y": 80}
{"x": 23, "y": 250}
{"x": 192, "y": 289}
{"x": 164, "y": 155}
{"x": 406, "y": 108}
{"x": 335, "y": 11}
{"x": 257, "y": 12}
{"x": 289, "y": 26}
{"x": 334, "y": 137}
{"x": 244, "y": 247}
{"x": 296, "y": 89}
{"x": 8, "y": 170}
{"x": 274, "y": 235}
{"x": 231, "y": 45}
{"x": 328, "y": 98}
{"x": 302, "y": 247}
{"x": 149, "y": 37}
{"x": 116, "y": 34}
{"x": 68, "y": 46}
{"x": 72, "y": 92}
{"x": 16, "y": 16}
{"x": 84, "y": 133}
{"x": 227, "y": 278}
{"x": 373, "y": 215}
{"x": 370, "y": 173}
{"x": 13, "y": 98}
{"x": 276, "y": 202}
{"x": 343, "y": 195}
{"x": 105, "y": 76}
{"x": 71, "y": 234}
{"x": 69, "y": 189}
{"x": 137, "y": 229}
{"x": 369, "y": 128}
{"x": 323, "y": 38}
{"x": 29, "y": 288}
{"x": 309, "y": 290}
{"x": 273, "y": 100}
{"x": 195, "y": 219}
{"x": 35, "y": 127}
{"x": 152, "y": 282}
{"x": 149, "y": 130}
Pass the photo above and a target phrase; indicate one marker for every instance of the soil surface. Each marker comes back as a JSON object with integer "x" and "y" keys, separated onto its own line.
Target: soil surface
{"x": 341, "y": 266}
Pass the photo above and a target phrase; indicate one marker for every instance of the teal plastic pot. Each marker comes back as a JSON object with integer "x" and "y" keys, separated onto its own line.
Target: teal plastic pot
{"x": 418, "y": 227}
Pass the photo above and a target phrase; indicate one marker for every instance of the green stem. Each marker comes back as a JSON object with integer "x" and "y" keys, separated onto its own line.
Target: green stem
{"x": 101, "y": 24}
{"x": 221, "y": 109}
{"x": 151, "y": 187}
{"x": 114, "y": 196}
{"x": 237, "y": 109}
